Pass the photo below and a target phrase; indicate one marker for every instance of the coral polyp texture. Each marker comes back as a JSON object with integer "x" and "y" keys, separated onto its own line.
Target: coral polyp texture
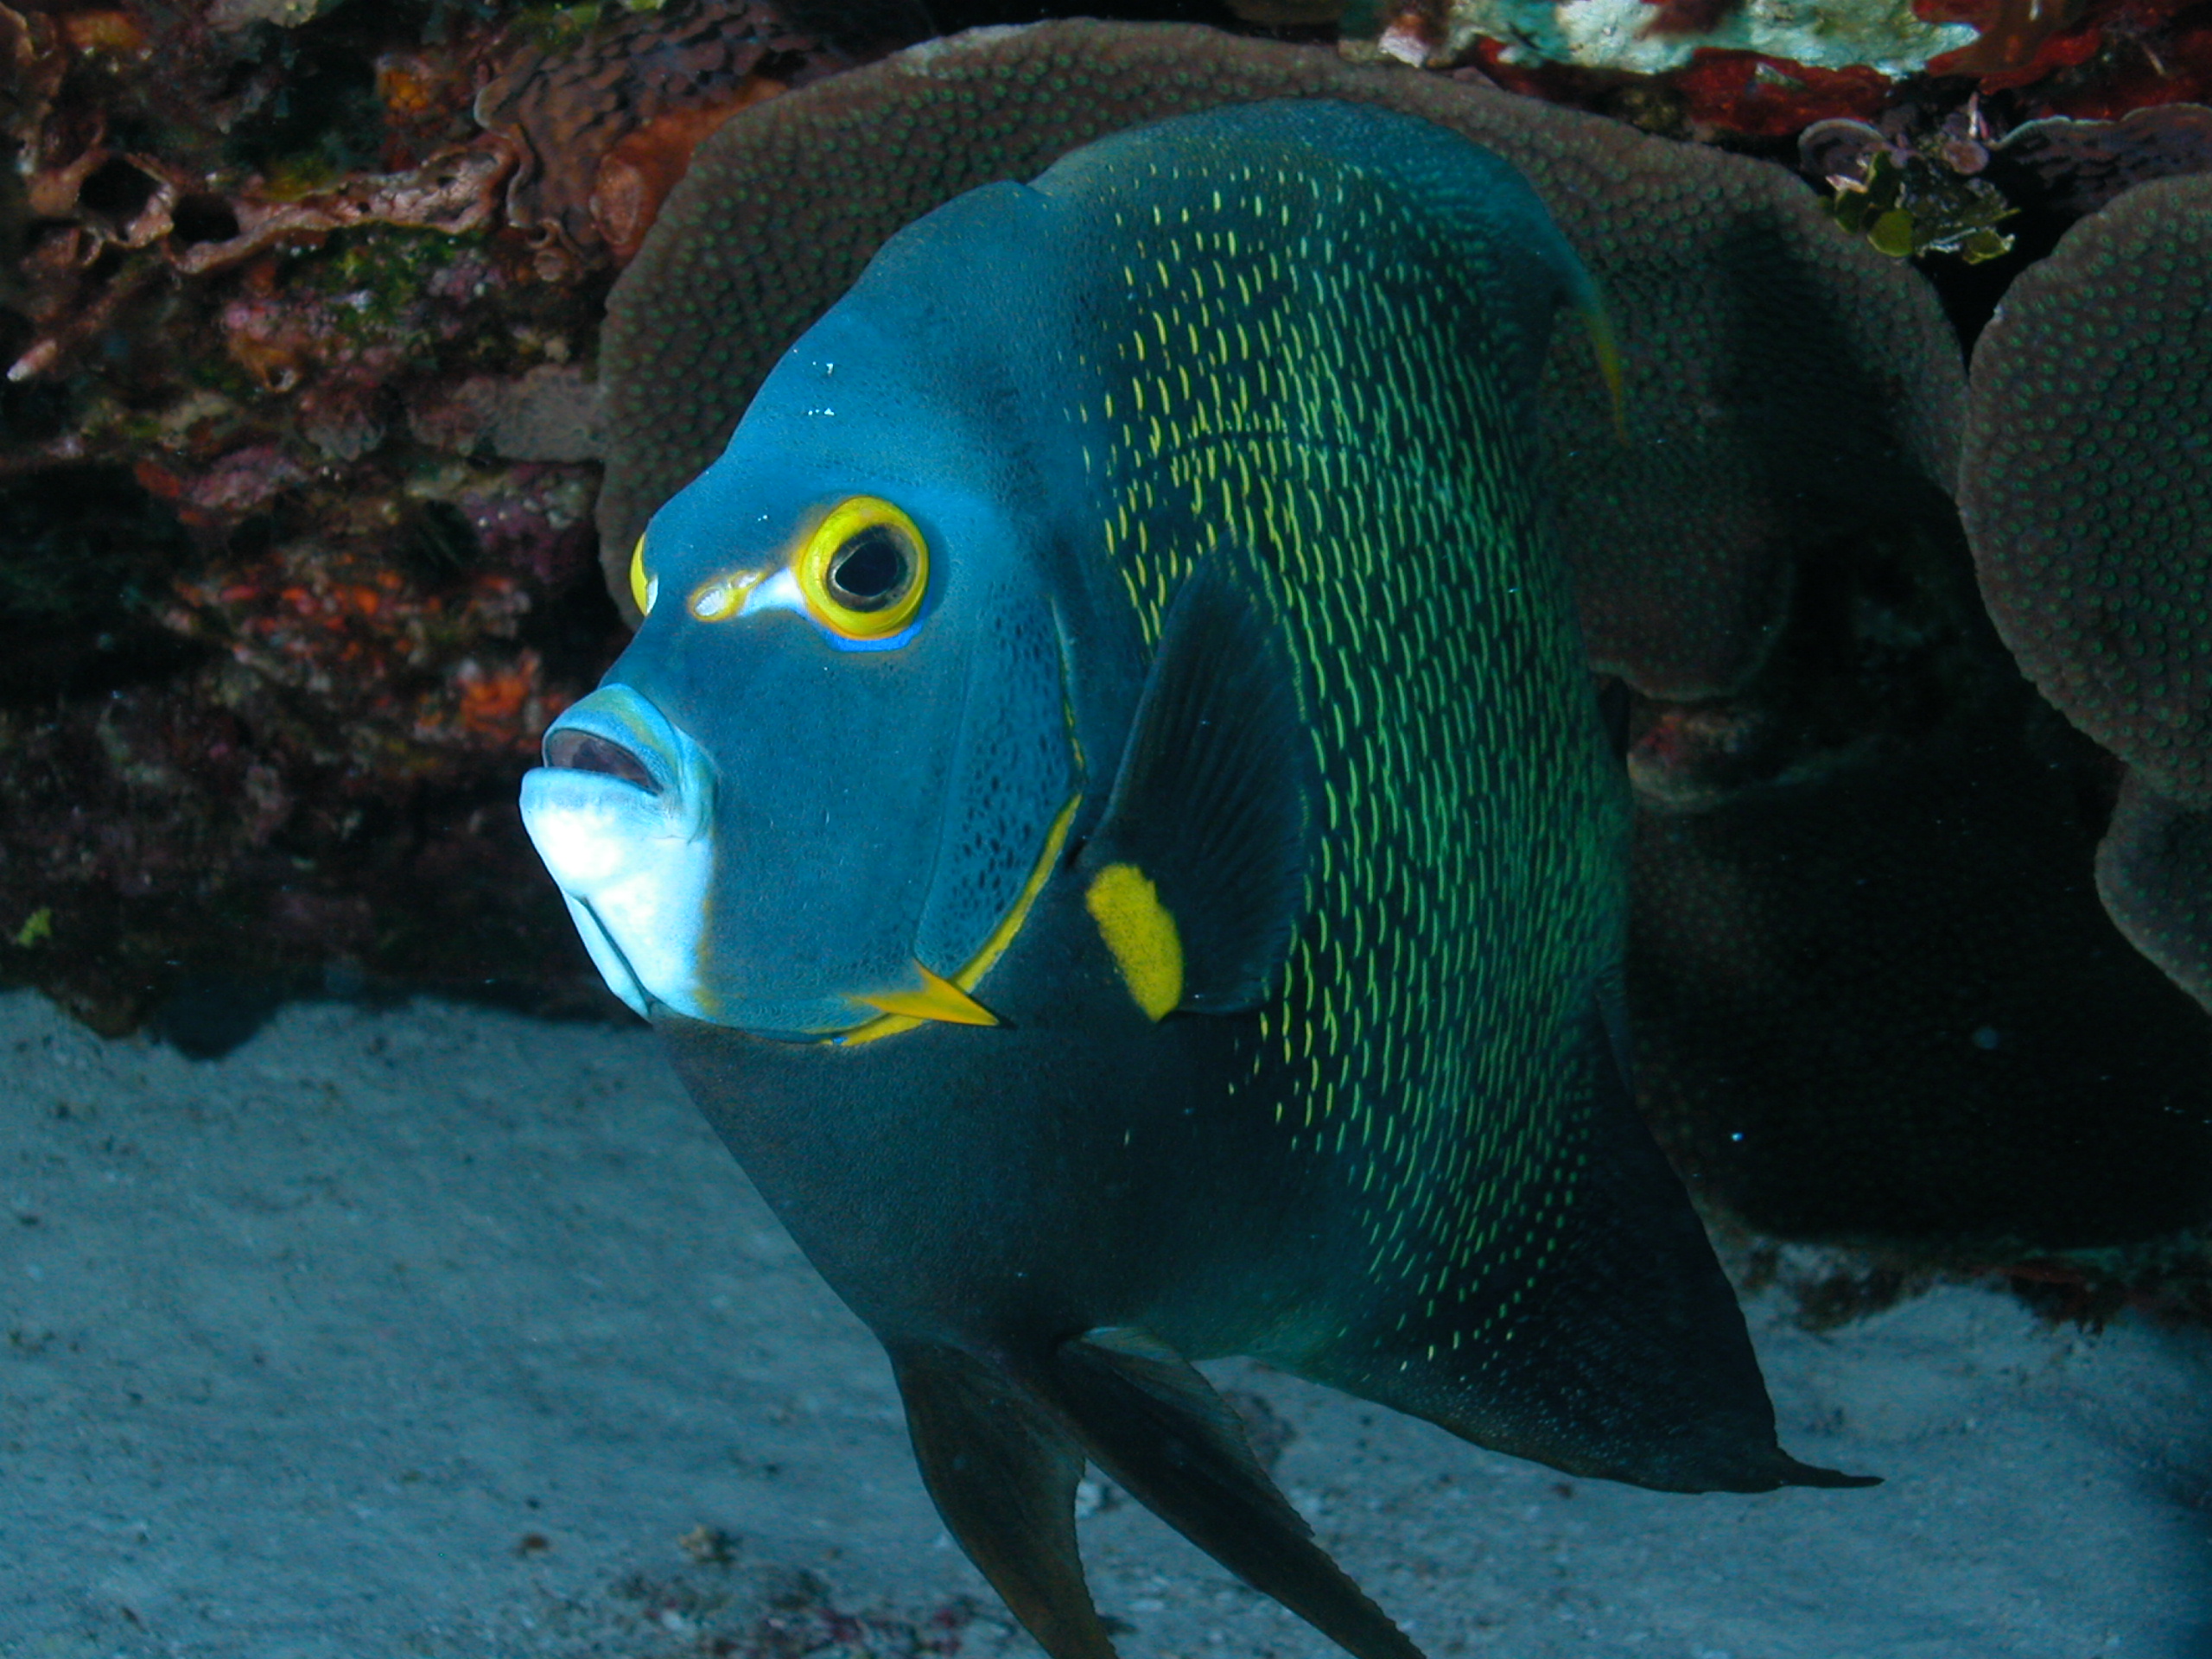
{"x": 2086, "y": 479}
{"x": 2085, "y": 489}
{"x": 1782, "y": 385}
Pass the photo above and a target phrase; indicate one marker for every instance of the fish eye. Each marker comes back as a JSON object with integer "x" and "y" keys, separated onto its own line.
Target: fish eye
{"x": 864, "y": 569}
{"x": 872, "y": 570}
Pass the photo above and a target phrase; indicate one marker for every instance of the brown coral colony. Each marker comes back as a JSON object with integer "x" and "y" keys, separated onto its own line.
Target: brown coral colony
{"x": 301, "y": 440}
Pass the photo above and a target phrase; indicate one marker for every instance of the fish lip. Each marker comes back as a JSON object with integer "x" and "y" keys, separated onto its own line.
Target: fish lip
{"x": 682, "y": 774}
{"x": 573, "y": 749}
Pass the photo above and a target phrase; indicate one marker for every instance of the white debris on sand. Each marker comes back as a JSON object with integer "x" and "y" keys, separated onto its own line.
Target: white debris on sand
{"x": 442, "y": 1332}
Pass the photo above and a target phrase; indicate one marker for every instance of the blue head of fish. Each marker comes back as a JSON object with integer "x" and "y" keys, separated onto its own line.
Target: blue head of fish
{"x": 832, "y": 765}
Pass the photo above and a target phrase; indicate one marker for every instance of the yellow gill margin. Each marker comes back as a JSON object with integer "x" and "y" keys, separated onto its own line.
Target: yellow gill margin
{"x": 892, "y": 1021}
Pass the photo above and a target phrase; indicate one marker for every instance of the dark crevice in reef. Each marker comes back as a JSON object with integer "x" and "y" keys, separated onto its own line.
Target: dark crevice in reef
{"x": 1877, "y": 998}
{"x": 86, "y": 551}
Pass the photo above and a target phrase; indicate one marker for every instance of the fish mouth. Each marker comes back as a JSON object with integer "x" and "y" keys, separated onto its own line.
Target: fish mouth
{"x": 620, "y": 813}
{"x": 571, "y": 750}
{"x": 619, "y": 736}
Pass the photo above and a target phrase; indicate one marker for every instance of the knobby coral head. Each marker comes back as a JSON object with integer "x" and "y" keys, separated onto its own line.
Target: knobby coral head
{"x": 1781, "y": 386}
{"x": 2086, "y": 486}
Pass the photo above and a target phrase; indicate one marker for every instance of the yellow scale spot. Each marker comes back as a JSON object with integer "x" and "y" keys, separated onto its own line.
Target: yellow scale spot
{"x": 1142, "y": 935}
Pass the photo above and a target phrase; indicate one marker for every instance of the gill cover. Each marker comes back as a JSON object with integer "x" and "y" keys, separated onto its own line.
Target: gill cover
{"x": 847, "y": 699}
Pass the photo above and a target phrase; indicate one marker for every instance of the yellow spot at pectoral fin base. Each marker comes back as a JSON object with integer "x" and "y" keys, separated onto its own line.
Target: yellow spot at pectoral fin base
{"x": 938, "y": 999}
{"x": 1142, "y": 935}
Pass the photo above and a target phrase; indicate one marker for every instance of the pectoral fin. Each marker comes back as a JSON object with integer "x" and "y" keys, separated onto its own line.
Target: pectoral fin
{"x": 1200, "y": 863}
{"x": 1157, "y": 1425}
{"x": 1003, "y": 1473}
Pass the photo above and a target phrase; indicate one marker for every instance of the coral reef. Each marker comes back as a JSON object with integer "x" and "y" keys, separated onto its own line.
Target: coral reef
{"x": 604, "y": 125}
{"x": 1752, "y": 69}
{"x": 2083, "y": 480}
{"x": 299, "y": 479}
{"x": 2076, "y": 167}
{"x": 1635, "y": 35}
{"x": 2083, "y": 486}
{"x": 1745, "y": 324}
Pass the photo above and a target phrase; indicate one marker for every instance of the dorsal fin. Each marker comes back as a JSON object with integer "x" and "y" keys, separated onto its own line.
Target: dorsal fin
{"x": 1212, "y": 805}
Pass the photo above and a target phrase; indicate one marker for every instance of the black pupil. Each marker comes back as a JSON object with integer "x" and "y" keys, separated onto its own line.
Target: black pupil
{"x": 870, "y": 570}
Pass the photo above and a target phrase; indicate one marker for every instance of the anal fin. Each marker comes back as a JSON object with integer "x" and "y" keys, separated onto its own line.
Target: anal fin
{"x": 1155, "y": 1424}
{"x": 1003, "y": 1474}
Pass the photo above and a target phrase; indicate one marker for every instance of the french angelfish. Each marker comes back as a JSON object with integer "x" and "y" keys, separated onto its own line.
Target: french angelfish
{"x": 1108, "y": 812}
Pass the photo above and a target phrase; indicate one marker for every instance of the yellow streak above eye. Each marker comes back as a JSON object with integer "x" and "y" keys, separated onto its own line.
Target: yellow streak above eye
{"x": 938, "y": 999}
{"x": 1141, "y": 933}
{"x": 719, "y": 598}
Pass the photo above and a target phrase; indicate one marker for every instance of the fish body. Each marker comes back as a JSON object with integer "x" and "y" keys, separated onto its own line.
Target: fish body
{"x": 1183, "y": 919}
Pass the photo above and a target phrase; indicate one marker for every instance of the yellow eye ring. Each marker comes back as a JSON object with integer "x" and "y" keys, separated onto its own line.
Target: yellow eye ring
{"x": 864, "y": 569}
{"x": 644, "y": 589}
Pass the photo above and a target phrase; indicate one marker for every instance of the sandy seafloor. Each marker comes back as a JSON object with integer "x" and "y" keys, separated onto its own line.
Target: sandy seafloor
{"x": 438, "y": 1331}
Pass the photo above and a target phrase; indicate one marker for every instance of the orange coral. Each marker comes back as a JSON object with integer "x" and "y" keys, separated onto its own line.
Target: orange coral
{"x": 636, "y": 175}
{"x": 684, "y": 69}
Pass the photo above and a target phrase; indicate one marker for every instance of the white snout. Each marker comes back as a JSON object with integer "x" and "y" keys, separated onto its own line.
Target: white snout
{"x": 634, "y": 864}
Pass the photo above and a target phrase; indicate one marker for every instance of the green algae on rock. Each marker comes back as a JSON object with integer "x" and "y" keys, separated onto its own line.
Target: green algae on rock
{"x": 1784, "y": 385}
{"x": 1912, "y": 195}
